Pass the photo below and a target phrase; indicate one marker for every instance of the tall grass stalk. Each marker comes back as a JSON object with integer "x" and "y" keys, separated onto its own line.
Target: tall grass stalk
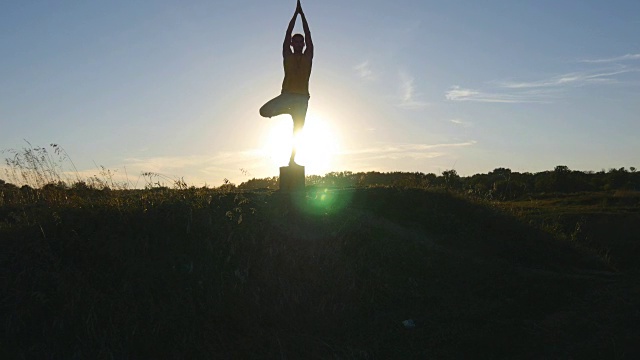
{"x": 38, "y": 166}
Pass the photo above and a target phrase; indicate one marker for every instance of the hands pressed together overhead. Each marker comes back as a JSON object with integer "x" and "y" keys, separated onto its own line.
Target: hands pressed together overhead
{"x": 286, "y": 50}
{"x": 299, "y": 8}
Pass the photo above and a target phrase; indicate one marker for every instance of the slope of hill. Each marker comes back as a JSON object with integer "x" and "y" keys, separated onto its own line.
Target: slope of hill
{"x": 353, "y": 273}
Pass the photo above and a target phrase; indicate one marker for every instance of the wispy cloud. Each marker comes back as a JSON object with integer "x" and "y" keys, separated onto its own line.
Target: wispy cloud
{"x": 570, "y": 79}
{"x": 409, "y": 99}
{"x": 363, "y": 70}
{"x": 627, "y": 57}
{"x": 400, "y": 151}
{"x": 542, "y": 90}
{"x": 462, "y": 123}
{"x": 457, "y": 93}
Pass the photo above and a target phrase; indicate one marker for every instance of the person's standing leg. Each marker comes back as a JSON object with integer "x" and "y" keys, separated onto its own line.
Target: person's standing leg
{"x": 298, "y": 114}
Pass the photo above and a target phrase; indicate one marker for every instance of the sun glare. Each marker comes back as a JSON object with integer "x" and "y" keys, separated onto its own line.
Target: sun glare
{"x": 317, "y": 144}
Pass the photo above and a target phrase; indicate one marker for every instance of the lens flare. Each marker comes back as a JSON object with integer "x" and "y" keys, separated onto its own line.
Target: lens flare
{"x": 316, "y": 145}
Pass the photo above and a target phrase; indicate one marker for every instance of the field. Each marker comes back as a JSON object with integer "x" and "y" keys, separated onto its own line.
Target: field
{"x": 349, "y": 273}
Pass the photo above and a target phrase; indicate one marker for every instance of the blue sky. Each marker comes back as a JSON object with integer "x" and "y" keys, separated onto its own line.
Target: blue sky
{"x": 174, "y": 87}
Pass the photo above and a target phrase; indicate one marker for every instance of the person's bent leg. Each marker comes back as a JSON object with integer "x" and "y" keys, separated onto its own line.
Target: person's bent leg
{"x": 276, "y": 106}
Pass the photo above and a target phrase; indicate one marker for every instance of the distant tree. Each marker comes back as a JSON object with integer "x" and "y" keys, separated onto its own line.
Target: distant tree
{"x": 412, "y": 180}
{"x": 581, "y": 181}
{"x": 451, "y": 179}
{"x": 478, "y": 184}
{"x": 80, "y": 186}
{"x": 431, "y": 178}
{"x": 544, "y": 182}
{"x": 504, "y": 173}
{"x": 561, "y": 178}
{"x": 266, "y": 183}
{"x": 618, "y": 179}
{"x": 500, "y": 183}
{"x": 634, "y": 179}
{"x": 311, "y": 180}
{"x": 6, "y": 185}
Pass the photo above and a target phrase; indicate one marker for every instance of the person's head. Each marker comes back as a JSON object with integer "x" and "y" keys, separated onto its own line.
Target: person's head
{"x": 297, "y": 42}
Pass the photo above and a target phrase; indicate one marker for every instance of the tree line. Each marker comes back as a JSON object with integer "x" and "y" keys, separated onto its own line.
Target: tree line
{"x": 501, "y": 183}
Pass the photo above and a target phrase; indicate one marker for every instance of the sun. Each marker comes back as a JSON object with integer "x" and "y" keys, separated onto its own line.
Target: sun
{"x": 317, "y": 144}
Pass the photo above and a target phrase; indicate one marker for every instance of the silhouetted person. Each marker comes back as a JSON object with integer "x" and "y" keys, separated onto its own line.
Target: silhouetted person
{"x": 294, "y": 98}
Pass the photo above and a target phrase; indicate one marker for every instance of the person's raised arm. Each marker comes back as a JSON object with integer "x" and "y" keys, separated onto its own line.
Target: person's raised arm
{"x": 307, "y": 32}
{"x": 286, "y": 45}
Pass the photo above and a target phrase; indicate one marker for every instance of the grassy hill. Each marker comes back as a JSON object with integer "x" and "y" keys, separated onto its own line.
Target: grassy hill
{"x": 369, "y": 273}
